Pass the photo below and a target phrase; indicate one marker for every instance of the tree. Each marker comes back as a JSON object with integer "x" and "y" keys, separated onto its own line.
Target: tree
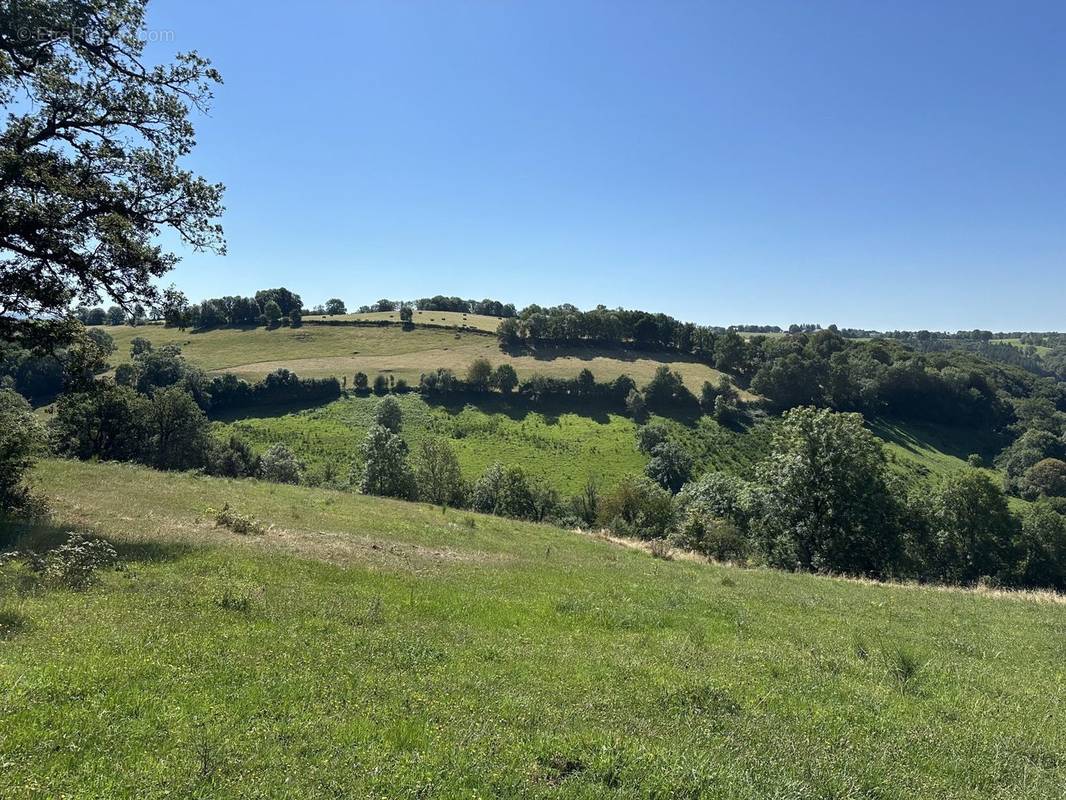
{"x": 116, "y": 316}
{"x": 139, "y": 346}
{"x": 972, "y": 528}
{"x": 384, "y": 305}
{"x": 1047, "y": 477}
{"x": 437, "y": 472}
{"x": 381, "y": 384}
{"x": 650, "y": 436}
{"x": 827, "y": 504}
{"x": 478, "y": 374}
{"x": 272, "y": 312}
{"x": 360, "y": 381}
{"x": 508, "y": 332}
{"x": 279, "y": 465}
{"x": 107, "y": 422}
{"x": 505, "y": 378}
{"x": 385, "y": 469}
{"x": 1042, "y": 548}
{"x": 178, "y": 430}
{"x": 389, "y": 415}
{"x": 286, "y": 300}
{"x": 670, "y": 466}
{"x": 586, "y": 383}
{"x": 20, "y": 439}
{"x": 91, "y": 149}
{"x": 635, "y": 405}
{"x": 96, "y": 316}
{"x": 406, "y": 314}
{"x": 335, "y": 306}
{"x": 664, "y": 389}
{"x": 295, "y": 318}
{"x": 174, "y": 305}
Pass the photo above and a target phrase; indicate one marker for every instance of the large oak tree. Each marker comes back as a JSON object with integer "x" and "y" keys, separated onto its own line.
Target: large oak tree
{"x": 89, "y": 159}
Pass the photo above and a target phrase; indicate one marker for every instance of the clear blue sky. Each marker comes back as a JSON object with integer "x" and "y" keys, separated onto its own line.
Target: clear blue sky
{"x": 894, "y": 164}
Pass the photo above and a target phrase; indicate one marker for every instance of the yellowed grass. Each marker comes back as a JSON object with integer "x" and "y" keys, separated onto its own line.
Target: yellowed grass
{"x": 322, "y": 351}
{"x": 451, "y": 319}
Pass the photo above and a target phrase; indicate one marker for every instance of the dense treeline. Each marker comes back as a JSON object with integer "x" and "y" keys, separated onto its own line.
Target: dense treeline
{"x": 492, "y": 308}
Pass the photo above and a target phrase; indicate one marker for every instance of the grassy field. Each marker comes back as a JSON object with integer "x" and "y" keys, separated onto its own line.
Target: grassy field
{"x": 562, "y": 447}
{"x": 449, "y": 319}
{"x": 321, "y": 351}
{"x": 369, "y": 648}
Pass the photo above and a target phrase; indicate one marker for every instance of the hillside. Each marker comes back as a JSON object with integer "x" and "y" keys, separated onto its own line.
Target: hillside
{"x": 364, "y": 647}
{"x": 324, "y": 350}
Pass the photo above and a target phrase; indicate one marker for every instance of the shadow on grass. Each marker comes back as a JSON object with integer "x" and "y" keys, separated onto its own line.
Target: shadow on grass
{"x": 41, "y": 536}
{"x": 920, "y": 438}
{"x": 265, "y": 410}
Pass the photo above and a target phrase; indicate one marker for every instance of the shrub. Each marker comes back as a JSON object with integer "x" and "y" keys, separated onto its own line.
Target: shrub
{"x": 228, "y": 517}
{"x": 233, "y": 458}
{"x": 708, "y": 535}
{"x": 381, "y": 384}
{"x": 638, "y": 507}
{"x": 21, "y": 437}
{"x": 74, "y": 563}
{"x": 650, "y": 436}
{"x": 279, "y": 464}
{"x": 360, "y": 381}
{"x": 975, "y": 460}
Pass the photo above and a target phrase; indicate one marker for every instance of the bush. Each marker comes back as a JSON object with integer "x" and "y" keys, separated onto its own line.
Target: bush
{"x": 360, "y": 381}
{"x": 711, "y": 536}
{"x": 21, "y": 438}
{"x": 74, "y": 564}
{"x": 233, "y": 458}
{"x": 238, "y": 523}
{"x": 975, "y": 460}
{"x": 381, "y": 384}
{"x": 279, "y": 464}
{"x": 638, "y": 507}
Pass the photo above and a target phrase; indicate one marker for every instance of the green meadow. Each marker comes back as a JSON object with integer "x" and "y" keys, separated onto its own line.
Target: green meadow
{"x": 368, "y": 648}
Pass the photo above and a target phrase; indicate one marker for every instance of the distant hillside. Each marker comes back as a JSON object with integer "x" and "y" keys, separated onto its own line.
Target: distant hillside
{"x": 325, "y": 350}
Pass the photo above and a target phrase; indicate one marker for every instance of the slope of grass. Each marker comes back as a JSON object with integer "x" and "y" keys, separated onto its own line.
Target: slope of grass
{"x": 324, "y": 350}
{"x": 372, "y": 648}
{"x": 563, "y": 446}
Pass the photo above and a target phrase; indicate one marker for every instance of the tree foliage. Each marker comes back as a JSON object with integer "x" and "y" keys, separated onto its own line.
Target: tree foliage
{"x": 90, "y": 156}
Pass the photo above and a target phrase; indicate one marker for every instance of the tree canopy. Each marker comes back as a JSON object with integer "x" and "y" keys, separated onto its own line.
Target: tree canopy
{"x": 90, "y": 159}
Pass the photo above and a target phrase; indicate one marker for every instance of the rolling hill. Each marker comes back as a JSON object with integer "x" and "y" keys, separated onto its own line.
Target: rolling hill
{"x": 323, "y": 350}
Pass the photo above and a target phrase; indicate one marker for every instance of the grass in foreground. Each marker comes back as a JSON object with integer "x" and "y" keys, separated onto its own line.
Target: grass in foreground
{"x": 371, "y": 648}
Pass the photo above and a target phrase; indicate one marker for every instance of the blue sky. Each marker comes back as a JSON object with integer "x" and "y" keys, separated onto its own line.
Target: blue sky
{"x": 871, "y": 164}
